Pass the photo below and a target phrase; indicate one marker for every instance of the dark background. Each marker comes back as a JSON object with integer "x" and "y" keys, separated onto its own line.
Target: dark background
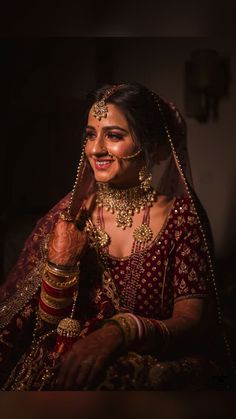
{"x": 52, "y": 54}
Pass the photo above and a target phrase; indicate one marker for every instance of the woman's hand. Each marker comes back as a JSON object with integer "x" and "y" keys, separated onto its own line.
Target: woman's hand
{"x": 67, "y": 243}
{"x": 87, "y": 358}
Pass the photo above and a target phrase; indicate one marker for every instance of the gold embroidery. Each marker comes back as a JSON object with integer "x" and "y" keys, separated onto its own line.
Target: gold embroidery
{"x": 98, "y": 296}
{"x": 163, "y": 286}
{"x": 180, "y": 220}
{"x": 3, "y": 334}
{"x": 192, "y": 276}
{"x": 186, "y": 250}
{"x": 182, "y": 285}
{"x": 177, "y": 260}
{"x": 192, "y": 220}
{"x": 110, "y": 289}
{"x": 183, "y": 268}
{"x": 183, "y": 208}
{"x": 177, "y": 234}
{"x": 22, "y": 296}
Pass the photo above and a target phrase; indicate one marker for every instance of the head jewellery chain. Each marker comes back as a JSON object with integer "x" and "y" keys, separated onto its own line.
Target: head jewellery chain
{"x": 100, "y": 109}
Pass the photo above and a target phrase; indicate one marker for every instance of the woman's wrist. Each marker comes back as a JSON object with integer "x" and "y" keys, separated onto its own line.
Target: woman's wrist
{"x": 59, "y": 285}
{"x": 141, "y": 332}
{"x": 64, "y": 271}
{"x": 113, "y": 329}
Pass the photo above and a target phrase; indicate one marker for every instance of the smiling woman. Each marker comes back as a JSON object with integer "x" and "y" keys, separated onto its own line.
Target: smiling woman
{"x": 115, "y": 288}
{"x": 109, "y": 147}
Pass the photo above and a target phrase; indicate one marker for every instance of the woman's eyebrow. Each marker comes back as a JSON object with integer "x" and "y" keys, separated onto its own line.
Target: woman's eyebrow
{"x": 115, "y": 127}
{"x": 108, "y": 127}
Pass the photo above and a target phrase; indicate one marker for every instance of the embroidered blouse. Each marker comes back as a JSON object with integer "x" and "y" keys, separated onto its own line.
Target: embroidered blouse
{"x": 171, "y": 268}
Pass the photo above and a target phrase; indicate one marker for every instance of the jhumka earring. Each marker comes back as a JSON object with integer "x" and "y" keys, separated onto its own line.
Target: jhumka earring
{"x": 145, "y": 178}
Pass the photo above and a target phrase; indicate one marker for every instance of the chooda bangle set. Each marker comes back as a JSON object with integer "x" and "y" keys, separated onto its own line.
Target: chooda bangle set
{"x": 136, "y": 330}
{"x": 59, "y": 284}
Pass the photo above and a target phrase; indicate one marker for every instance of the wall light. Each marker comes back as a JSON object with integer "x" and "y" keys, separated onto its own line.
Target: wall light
{"x": 206, "y": 82}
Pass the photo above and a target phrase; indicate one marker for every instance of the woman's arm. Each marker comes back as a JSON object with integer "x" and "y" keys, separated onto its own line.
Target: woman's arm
{"x": 189, "y": 328}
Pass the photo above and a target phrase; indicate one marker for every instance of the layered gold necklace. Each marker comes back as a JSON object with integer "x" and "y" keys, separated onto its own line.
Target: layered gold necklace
{"x": 124, "y": 203}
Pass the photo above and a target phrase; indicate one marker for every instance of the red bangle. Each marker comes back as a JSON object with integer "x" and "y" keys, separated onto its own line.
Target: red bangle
{"x": 54, "y": 312}
{"x": 56, "y": 292}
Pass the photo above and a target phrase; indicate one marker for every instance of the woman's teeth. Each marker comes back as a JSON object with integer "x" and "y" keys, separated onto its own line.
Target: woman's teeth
{"x": 103, "y": 162}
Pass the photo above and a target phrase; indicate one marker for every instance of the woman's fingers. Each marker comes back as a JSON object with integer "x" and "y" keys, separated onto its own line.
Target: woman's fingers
{"x": 74, "y": 373}
{"x": 97, "y": 368}
{"x": 87, "y": 357}
{"x": 69, "y": 365}
{"x": 86, "y": 366}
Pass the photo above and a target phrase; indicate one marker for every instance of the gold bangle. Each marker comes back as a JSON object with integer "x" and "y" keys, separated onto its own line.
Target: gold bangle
{"x": 48, "y": 317}
{"x": 165, "y": 334}
{"x": 67, "y": 268}
{"x": 132, "y": 325}
{"x": 60, "y": 284}
{"x": 150, "y": 327}
{"x": 60, "y": 303}
{"x": 125, "y": 323}
{"x": 60, "y": 272}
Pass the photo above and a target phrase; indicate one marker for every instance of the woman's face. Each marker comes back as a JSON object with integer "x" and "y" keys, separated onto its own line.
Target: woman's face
{"x": 108, "y": 140}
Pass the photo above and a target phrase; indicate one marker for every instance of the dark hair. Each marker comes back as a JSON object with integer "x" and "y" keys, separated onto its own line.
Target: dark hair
{"x": 139, "y": 107}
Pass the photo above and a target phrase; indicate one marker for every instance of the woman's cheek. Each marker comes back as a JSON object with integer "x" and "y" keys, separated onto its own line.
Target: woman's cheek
{"x": 121, "y": 149}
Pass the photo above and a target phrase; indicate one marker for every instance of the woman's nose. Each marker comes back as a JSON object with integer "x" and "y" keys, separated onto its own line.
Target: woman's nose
{"x": 99, "y": 146}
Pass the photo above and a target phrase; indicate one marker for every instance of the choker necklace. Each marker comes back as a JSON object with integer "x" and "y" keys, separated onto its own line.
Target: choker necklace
{"x": 124, "y": 202}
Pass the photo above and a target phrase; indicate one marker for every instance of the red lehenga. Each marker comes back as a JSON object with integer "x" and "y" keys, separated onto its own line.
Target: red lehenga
{"x": 177, "y": 264}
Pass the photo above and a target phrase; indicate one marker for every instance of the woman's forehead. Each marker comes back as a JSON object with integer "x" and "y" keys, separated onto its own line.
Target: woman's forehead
{"x": 114, "y": 116}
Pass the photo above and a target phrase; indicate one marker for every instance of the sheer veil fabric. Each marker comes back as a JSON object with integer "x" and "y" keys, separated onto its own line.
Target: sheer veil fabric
{"x": 169, "y": 163}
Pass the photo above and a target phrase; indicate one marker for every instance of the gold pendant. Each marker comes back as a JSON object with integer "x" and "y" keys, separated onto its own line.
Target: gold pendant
{"x": 97, "y": 236}
{"x": 123, "y": 219}
{"x": 103, "y": 237}
{"x": 69, "y": 328}
{"x": 143, "y": 234}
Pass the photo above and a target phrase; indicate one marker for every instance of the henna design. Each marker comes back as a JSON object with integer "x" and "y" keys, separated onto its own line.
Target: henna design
{"x": 66, "y": 243}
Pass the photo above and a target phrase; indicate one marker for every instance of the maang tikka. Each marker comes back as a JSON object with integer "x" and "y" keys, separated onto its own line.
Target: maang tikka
{"x": 100, "y": 108}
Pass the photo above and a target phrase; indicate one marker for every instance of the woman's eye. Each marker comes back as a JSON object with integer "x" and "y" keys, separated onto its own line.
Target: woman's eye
{"x": 90, "y": 135}
{"x": 114, "y": 136}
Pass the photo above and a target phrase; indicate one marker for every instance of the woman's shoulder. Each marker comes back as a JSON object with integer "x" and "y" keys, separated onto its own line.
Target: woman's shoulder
{"x": 184, "y": 212}
{"x": 185, "y": 205}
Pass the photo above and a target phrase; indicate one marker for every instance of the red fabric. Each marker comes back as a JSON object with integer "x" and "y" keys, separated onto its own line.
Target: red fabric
{"x": 174, "y": 266}
{"x": 31, "y": 253}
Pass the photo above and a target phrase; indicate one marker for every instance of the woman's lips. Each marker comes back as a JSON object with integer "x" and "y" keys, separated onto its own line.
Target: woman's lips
{"x": 102, "y": 164}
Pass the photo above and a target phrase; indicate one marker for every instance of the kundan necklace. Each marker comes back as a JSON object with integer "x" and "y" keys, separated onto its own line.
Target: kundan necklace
{"x": 124, "y": 202}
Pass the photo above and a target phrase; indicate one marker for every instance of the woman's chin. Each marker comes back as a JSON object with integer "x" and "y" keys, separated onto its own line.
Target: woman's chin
{"x": 102, "y": 177}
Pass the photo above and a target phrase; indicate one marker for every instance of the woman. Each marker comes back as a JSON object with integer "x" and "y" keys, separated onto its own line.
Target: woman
{"x": 115, "y": 288}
